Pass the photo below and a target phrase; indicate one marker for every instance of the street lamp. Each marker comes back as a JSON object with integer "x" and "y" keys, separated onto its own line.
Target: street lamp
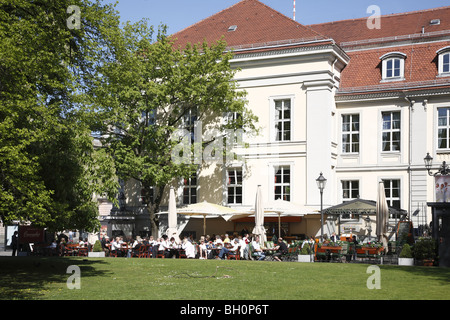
{"x": 321, "y": 182}
{"x": 444, "y": 169}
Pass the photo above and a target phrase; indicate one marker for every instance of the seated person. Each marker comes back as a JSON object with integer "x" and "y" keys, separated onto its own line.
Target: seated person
{"x": 281, "y": 249}
{"x": 171, "y": 248}
{"x": 257, "y": 249}
{"x": 188, "y": 248}
{"x": 233, "y": 249}
{"x": 203, "y": 250}
{"x": 218, "y": 242}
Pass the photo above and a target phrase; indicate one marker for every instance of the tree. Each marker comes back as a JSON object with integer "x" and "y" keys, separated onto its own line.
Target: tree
{"x": 151, "y": 90}
{"x": 49, "y": 169}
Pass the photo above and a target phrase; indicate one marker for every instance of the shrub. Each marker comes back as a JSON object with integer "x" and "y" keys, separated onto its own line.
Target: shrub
{"x": 305, "y": 250}
{"x": 97, "y": 246}
{"x": 406, "y": 252}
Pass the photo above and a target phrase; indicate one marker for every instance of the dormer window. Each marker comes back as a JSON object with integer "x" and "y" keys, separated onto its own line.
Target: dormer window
{"x": 444, "y": 61}
{"x": 393, "y": 66}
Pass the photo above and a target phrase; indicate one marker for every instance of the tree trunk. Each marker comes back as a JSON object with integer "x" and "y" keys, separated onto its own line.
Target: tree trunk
{"x": 153, "y": 209}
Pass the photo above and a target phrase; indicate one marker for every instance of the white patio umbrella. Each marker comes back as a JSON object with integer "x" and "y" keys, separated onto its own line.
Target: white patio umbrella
{"x": 206, "y": 210}
{"x": 382, "y": 215}
{"x": 259, "y": 218}
{"x": 172, "y": 230}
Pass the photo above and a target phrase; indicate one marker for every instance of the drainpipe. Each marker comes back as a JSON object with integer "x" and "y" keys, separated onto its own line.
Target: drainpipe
{"x": 410, "y": 108}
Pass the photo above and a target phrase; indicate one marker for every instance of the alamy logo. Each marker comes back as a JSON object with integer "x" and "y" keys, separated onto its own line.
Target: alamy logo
{"x": 374, "y": 21}
{"x": 74, "y": 281}
{"x": 190, "y": 148}
{"x": 74, "y": 20}
{"x": 374, "y": 281}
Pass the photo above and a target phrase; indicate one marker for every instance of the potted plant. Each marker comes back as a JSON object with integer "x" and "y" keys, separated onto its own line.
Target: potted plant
{"x": 97, "y": 250}
{"x": 305, "y": 254}
{"x": 406, "y": 257}
{"x": 425, "y": 251}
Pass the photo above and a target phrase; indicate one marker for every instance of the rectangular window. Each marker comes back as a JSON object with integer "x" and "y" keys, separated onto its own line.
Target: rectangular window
{"x": 446, "y": 62}
{"x": 234, "y": 186}
{"x": 350, "y": 189}
{"x": 391, "y": 131}
{"x": 443, "y": 128}
{"x": 283, "y": 120}
{"x": 190, "y": 189}
{"x": 189, "y": 119}
{"x": 282, "y": 184}
{"x": 350, "y": 133}
{"x": 392, "y": 191}
{"x": 393, "y": 68}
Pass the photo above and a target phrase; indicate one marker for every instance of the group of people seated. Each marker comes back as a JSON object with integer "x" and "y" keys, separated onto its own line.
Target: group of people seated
{"x": 216, "y": 247}
{"x": 163, "y": 246}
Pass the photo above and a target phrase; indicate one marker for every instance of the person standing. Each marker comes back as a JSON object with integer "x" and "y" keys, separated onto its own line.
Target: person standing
{"x": 14, "y": 242}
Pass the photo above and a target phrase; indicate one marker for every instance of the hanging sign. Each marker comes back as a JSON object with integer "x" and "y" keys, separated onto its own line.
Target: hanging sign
{"x": 442, "y": 188}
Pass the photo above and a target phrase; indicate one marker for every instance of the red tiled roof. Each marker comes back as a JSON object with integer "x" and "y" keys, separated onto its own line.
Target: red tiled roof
{"x": 364, "y": 68}
{"x": 255, "y": 21}
{"x": 391, "y": 25}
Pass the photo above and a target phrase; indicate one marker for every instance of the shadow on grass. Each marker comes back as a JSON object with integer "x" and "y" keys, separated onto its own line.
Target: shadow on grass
{"x": 26, "y": 278}
{"x": 440, "y": 274}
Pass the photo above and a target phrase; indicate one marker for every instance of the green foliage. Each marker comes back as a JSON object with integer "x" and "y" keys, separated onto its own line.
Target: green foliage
{"x": 406, "y": 252}
{"x": 305, "y": 250}
{"x": 97, "y": 246}
{"x": 425, "y": 249}
{"x": 149, "y": 89}
{"x": 49, "y": 167}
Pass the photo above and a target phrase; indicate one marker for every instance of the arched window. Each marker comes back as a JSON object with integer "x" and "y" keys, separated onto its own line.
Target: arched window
{"x": 393, "y": 66}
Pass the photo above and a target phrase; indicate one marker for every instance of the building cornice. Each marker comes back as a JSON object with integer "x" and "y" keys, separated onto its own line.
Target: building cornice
{"x": 415, "y": 89}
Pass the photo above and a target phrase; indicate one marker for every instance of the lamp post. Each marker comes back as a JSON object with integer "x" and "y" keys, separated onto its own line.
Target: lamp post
{"x": 321, "y": 182}
{"x": 444, "y": 169}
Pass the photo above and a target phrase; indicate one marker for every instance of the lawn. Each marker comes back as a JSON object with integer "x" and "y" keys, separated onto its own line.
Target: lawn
{"x": 24, "y": 278}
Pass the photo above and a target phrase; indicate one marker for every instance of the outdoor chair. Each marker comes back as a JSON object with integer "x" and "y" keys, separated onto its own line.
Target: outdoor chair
{"x": 361, "y": 253}
{"x": 141, "y": 252}
{"x": 160, "y": 254}
{"x": 293, "y": 252}
{"x": 344, "y": 254}
{"x": 182, "y": 254}
{"x": 82, "y": 252}
{"x": 234, "y": 255}
{"x": 319, "y": 256}
{"x": 374, "y": 256}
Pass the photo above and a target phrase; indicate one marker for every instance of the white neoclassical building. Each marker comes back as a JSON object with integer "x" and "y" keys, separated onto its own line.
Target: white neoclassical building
{"x": 358, "y": 104}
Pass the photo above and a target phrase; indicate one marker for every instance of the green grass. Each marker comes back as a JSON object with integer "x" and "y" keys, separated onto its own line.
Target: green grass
{"x": 160, "y": 279}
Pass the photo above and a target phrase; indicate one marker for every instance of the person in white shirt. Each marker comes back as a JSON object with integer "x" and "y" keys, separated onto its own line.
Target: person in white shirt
{"x": 115, "y": 246}
{"x": 218, "y": 242}
{"x": 188, "y": 248}
{"x": 233, "y": 249}
{"x": 257, "y": 249}
{"x": 242, "y": 246}
{"x": 203, "y": 250}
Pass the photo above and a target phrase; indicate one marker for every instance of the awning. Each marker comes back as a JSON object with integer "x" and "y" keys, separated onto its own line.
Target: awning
{"x": 359, "y": 206}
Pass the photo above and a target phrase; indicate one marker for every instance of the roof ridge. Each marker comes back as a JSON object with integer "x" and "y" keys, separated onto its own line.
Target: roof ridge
{"x": 382, "y": 16}
{"x": 208, "y": 17}
{"x": 279, "y": 14}
{"x": 294, "y": 21}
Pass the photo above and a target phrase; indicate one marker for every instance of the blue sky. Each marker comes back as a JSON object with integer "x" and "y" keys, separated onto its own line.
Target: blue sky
{"x": 179, "y": 14}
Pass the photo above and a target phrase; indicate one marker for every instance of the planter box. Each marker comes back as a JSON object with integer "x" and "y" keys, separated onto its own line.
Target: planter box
{"x": 405, "y": 261}
{"x": 305, "y": 258}
{"x": 96, "y": 254}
